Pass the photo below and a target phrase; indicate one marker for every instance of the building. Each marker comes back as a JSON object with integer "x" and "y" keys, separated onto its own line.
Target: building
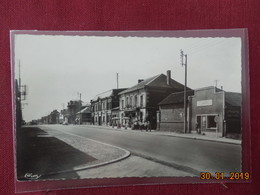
{"x": 64, "y": 116}
{"x": 209, "y": 110}
{"x": 84, "y": 116}
{"x": 215, "y": 110}
{"x": 171, "y": 115}
{"x": 102, "y": 106}
{"x": 74, "y": 106}
{"x": 54, "y": 117}
{"x": 139, "y": 103}
{"x": 115, "y": 117}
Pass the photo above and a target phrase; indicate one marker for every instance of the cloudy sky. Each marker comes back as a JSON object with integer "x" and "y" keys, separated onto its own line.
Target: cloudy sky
{"x": 57, "y": 68}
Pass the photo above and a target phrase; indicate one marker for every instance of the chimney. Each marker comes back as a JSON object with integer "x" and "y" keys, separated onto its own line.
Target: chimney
{"x": 168, "y": 77}
{"x": 140, "y": 80}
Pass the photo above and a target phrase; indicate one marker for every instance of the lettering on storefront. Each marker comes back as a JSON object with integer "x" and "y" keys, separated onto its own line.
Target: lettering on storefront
{"x": 204, "y": 103}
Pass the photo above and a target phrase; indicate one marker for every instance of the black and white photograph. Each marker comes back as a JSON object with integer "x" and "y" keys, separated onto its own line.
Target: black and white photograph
{"x": 124, "y": 105}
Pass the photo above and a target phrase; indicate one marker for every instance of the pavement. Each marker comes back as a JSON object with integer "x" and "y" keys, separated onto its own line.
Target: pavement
{"x": 41, "y": 154}
{"x": 207, "y": 136}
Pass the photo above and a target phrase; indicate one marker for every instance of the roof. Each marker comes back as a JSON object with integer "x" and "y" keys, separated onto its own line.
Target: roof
{"x": 108, "y": 93}
{"x": 176, "y": 98}
{"x": 233, "y": 98}
{"x": 85, "y": 110}
{"x": 155, "y": 81}
{"x": 103, "y": 95}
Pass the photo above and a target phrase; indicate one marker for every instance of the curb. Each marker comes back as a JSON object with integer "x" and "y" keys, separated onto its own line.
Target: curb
{"x": 126, "y": 155}
{"x": 168, "y": 135}
{"x": 210, "y": 140}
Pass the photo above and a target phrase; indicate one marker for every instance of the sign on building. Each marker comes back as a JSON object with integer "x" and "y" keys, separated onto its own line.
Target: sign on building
{"x": 204, "y": 103}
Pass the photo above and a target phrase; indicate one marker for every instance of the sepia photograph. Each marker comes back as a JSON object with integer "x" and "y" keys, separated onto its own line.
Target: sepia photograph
{"x": 91, "y": 105}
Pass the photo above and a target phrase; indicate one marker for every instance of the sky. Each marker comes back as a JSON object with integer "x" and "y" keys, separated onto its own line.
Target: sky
{"x": 56, "y": 68}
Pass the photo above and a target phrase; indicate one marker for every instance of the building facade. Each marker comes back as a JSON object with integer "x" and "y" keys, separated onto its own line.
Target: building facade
{"x": 73, "y": 106}
{"x": 139, "y": 103}
{"x": 171, "y": 115}
{"x": 209, "y": 110}
{"x": 102, "y": 106}
{"x": 84, "y": 116}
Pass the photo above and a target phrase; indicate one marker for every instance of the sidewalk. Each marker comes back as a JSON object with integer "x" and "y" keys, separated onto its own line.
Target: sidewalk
{"x": 207, "y": 137}
{"x": 44, "y": 153}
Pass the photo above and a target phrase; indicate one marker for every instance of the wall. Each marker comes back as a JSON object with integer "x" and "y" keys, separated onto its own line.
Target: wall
{"x": 233, "y": 120}
{"x": 217, "y": 106}
{"x": 171, "y": 118}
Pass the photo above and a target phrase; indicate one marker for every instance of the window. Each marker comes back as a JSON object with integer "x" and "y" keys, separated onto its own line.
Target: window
{"x": 136, "y": 103}
{"x": 127, "y": 102}
{"x": 122, "y": 104}
{"x": 130, "y": 103}
{"x": 102, "y": 106}
{"x": 211, "y": 122}
{"x": 141, "y": 100}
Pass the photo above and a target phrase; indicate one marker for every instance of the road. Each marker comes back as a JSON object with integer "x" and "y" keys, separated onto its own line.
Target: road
{"x": 189, "y": 155}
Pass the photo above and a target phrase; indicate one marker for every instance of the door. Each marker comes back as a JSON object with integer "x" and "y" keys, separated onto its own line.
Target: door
{"x": 99, "y": 120}
{"x": 203, "y": 123}
{"x": 198, "y": 124}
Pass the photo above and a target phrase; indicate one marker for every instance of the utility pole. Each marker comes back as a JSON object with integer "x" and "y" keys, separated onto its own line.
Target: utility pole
{"x": 19, "y": 84}
{"x": 216, "y": 83}
{"x": 184, "y": 63}
{"x": 117, "y": 80}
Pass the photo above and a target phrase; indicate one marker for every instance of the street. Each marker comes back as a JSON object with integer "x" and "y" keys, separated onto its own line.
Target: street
{"x": 189, "y": 155}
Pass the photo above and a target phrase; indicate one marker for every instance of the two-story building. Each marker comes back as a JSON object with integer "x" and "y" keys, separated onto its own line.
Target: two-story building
{"x": 139, "y": 103}
{"x": 102, "y": 106}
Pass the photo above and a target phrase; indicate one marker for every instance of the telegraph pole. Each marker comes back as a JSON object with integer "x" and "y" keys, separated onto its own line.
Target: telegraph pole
{"x": 19, "y": 84}
{"x": 216, "y": 83}
{"x": 184, "y": 63}
{"x": 117, "y": 80}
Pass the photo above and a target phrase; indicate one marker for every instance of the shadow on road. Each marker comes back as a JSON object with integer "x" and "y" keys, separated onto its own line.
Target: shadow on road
{"x": 40, "y": 155}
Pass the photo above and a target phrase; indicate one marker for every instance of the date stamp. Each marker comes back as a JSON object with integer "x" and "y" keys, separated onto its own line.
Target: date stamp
{"x": 222, "y": 175}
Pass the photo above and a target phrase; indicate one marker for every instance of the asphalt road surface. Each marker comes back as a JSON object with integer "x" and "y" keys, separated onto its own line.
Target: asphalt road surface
{"x": 189, "y": 155}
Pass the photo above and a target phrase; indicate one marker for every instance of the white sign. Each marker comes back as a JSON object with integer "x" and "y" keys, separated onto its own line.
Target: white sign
{"x": 204, "y": 103}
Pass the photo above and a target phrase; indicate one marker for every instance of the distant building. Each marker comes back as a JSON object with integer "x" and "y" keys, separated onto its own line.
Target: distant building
{"x": 74, "y": 106}
{"x": 84, "y": 116}
{"x": 54, "y": 117}
{"x": 115, "y": 117}
{"x": 44, "y": 120}
{"x": 64, "y": 116}
{"x": 140, "y": 102}
{"x": 209, "y": 110}
{"x": 102, "y": 106}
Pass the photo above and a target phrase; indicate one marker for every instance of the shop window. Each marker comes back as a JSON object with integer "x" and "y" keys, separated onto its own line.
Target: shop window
{"x": 211, "y": 122}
